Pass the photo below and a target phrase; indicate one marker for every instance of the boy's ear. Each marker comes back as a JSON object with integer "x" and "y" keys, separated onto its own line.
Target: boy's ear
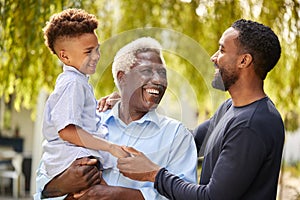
{"x": 63, "y": 56}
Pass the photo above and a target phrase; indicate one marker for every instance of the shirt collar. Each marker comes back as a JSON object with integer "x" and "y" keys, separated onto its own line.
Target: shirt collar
{"x": 73, "y": 69}
{"x": 151, "y": 116}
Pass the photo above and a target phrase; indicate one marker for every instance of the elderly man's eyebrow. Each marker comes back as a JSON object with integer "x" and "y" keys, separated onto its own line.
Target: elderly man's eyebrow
{"x": 221, "y": 44}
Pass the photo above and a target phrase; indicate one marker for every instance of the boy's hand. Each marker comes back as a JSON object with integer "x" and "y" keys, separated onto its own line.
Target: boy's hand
{"x": 118, "y": 151}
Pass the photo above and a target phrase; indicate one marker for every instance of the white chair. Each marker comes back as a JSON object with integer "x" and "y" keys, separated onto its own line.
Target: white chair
{"x": 15, "y": 173}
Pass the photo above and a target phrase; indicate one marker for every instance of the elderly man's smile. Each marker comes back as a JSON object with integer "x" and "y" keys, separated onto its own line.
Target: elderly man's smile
{"x": 153, "y": 94}
{"x": 152, "y": 91}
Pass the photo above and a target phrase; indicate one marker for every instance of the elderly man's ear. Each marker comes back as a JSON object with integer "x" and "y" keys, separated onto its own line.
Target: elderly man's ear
{"x": 121, "y": 77}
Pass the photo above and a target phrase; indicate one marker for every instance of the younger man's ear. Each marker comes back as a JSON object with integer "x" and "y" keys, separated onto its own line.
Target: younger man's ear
{"x": 246, "y": 60}
{"x": 63, "y": 56}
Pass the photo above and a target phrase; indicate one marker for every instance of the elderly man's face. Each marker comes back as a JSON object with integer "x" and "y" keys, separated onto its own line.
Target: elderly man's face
{"x": 146, "y": 82}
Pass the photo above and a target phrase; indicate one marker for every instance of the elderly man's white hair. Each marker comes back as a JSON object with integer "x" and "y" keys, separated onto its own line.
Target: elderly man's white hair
{"x": 126, "y": 56}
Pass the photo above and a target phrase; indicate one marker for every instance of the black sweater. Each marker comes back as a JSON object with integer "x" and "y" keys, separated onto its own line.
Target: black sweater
{"x": 242, "y": 155}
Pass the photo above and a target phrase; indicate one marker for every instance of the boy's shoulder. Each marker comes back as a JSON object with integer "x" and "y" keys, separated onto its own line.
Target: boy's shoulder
{"x": 72, "y": 75}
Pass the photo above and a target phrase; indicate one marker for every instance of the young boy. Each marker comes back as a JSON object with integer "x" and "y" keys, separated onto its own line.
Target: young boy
{"x": 70, "y": 124}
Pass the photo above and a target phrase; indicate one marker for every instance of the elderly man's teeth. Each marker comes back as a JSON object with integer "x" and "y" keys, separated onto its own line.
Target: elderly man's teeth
{"x": 152, "y": 91}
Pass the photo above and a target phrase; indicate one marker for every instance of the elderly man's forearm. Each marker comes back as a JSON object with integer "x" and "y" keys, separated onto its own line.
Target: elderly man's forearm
{"x": 53, "y": 189}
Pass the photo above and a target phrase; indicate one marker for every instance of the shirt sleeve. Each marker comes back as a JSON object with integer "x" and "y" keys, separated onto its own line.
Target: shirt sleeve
{"x": 69, "y": 106}
{"x": 232, "y": 175}
{"x": 41, "y": 180}
{"x": 183, "y": 156}
{"x": 182, "y": 161}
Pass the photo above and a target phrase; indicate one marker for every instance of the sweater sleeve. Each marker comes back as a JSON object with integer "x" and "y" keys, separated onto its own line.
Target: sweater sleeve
{"x": 201, "y": 134}
{"x": 232, "y": 174}
{"x": 172, "y": 187}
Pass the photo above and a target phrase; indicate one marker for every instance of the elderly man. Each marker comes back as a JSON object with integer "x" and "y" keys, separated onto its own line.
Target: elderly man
{"x": 140, "y": 74}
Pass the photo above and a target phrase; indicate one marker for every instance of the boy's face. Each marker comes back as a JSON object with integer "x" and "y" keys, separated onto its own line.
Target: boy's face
{"x": 81, "y": 52}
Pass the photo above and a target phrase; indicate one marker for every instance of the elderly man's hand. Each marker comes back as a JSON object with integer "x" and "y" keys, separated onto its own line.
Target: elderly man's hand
{"x": 81, "y": 174}
{"x": 108, "y": 101}
{"x": 138, "y": 166}
{"x": 82, "y": 193}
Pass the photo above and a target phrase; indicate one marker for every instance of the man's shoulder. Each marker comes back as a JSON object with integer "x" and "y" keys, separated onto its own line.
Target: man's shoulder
{"x": 263, "y": 110}
{"x": 172, "y": 125}
{"x": 104, "y": 115}
{"x": 266, "y": 114}
{"x": 163, "y": 119}
{"x": 260, "y": 117}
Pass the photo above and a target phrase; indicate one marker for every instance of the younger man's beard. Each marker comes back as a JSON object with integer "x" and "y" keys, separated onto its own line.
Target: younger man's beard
{"x": 225, "y": 79}
{"x": 218, "y": 83}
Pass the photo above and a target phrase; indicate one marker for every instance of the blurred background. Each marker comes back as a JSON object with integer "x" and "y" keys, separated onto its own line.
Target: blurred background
{"x": 189, "y": 31}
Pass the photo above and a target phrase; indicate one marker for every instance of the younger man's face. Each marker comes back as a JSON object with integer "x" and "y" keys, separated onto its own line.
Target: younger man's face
{"x": 81, "y": 52}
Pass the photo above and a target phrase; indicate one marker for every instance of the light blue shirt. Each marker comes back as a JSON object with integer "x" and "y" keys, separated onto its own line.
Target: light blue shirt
{"x": 71, "y": 102}
{"x": 163, "y": 140}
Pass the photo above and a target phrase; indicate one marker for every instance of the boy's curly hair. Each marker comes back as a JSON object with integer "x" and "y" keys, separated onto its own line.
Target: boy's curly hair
{"x": 68, "y": 23}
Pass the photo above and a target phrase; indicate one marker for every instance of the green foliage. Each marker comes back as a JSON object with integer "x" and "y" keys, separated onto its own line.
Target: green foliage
{"x": 293, "y": 168}
{"x": 189, "y": 33}
{"x": 25, "y": 61}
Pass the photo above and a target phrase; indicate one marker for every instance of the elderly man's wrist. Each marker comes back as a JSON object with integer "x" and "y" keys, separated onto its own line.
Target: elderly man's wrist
{"x": 50, "y": 192}
{"x": 46, "y": 194}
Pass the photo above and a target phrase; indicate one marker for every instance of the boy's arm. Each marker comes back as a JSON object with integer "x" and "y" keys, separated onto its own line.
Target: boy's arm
{"x": 80, "y": 137}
